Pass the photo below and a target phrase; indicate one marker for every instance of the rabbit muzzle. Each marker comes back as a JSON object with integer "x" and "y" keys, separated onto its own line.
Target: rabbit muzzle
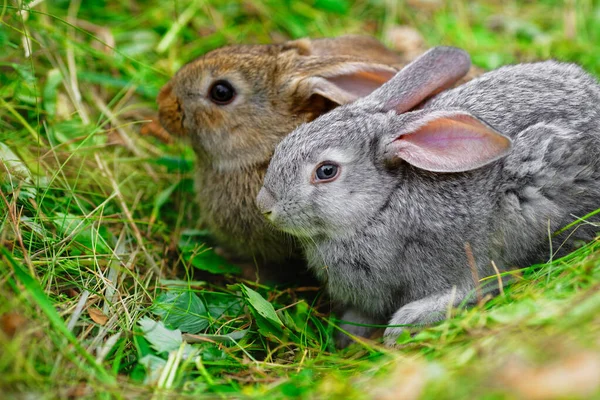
{"x": 265, "y": 202}
{"x": 170, "y": 112}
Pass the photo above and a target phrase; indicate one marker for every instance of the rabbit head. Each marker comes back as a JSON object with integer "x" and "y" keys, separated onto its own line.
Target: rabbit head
{"x": 347, "y": 168}
{"x": 334, "y": 173}
{"x": 237, "y": 102}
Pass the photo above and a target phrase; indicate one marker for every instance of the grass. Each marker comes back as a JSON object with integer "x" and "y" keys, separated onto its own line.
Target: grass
{"x": 98, "y": 239}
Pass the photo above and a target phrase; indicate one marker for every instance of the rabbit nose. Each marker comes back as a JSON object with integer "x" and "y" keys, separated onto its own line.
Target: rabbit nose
{"x": 265, "y": 202}
{"x": 170, "y": 112}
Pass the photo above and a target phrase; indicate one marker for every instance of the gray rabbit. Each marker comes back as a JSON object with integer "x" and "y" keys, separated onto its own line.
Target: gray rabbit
{"x": 384, "y": 201}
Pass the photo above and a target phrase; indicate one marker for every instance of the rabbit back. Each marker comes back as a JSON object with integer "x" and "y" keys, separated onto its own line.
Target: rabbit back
{"x": 506, "y": 212}
{"x": 551, "y": 110}
{"x": 515, "y": 97}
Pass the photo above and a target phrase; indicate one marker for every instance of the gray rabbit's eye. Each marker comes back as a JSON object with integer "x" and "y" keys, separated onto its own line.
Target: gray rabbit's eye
{"x": 221, "y": 92}
{"x": 326, "y": 172}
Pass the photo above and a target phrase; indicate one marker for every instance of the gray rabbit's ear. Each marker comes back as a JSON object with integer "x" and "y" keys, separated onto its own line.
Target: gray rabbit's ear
{"x": 434, "y": 71}
{"x": 342, "y": 82}
{"x": 448, "y": 142}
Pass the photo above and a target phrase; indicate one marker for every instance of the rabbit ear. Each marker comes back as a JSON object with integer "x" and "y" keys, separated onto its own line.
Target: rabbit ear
{"x": 325, "y": 83}
{"x": 452, "y": 142}
{"x": 347, "y": 81}
{"x": 434, "y": 71}
{"x": 333, "y": 71}
{"x": 358, "y": 47}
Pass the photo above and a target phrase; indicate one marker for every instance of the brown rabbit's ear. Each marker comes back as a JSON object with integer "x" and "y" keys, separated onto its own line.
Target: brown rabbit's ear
{"x": 336, "y": 71}
{"x": 359, "y": 47}
{"x": 300, "y": 46}
{"x": 340, "y": 83}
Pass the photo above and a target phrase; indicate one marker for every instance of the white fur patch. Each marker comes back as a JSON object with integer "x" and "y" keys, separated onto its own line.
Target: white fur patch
{"x": 338, "y": 155}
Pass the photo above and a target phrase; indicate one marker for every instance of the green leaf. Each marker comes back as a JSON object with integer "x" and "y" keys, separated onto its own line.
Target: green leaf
{"x": 222, "y": 303}
{"x": 164, "y": 340}
{"x": 182, "y": 310}
{"x": 261, "y": 306}
{"x": 269, "y": 324}
{"x": 160, "y": 338}
{"x": 208, "y": 260}
{"x": 192, "y": 245}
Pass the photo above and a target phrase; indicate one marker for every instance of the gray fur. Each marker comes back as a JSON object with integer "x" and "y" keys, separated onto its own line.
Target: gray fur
{"x": 389, "y": 240}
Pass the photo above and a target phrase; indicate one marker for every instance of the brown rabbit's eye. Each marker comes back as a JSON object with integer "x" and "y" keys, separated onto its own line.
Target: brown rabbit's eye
{"x": 221, "y": 92}
{"x": 326, "y": 172}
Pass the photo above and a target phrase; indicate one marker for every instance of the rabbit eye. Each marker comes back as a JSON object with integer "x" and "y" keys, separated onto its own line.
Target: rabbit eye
{"x": 221, "y": 92}
{"x": 326, "y": 172}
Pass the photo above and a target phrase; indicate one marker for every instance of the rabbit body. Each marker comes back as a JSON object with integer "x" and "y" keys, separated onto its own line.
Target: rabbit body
{"x": 277, "y": 87}
{"x": 388, "y": 238}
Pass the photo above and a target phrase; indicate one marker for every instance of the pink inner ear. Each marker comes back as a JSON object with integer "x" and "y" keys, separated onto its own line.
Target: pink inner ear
{"x": 361, "y": 83}
{"x": 351, "y": 82}
{"x": 451, "y": 144}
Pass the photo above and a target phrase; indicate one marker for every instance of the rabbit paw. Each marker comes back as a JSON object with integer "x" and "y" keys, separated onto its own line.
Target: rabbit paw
{"x": 425, "y": 311}
{"x": 391, "y": 335}
{"x": 416, "y": 313}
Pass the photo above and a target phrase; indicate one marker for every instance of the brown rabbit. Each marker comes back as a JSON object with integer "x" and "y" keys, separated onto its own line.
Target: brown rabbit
{"x": 236, "y": 103}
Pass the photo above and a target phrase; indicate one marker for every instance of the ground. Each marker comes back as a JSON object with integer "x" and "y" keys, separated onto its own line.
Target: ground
{"x": 98, "y": 241}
